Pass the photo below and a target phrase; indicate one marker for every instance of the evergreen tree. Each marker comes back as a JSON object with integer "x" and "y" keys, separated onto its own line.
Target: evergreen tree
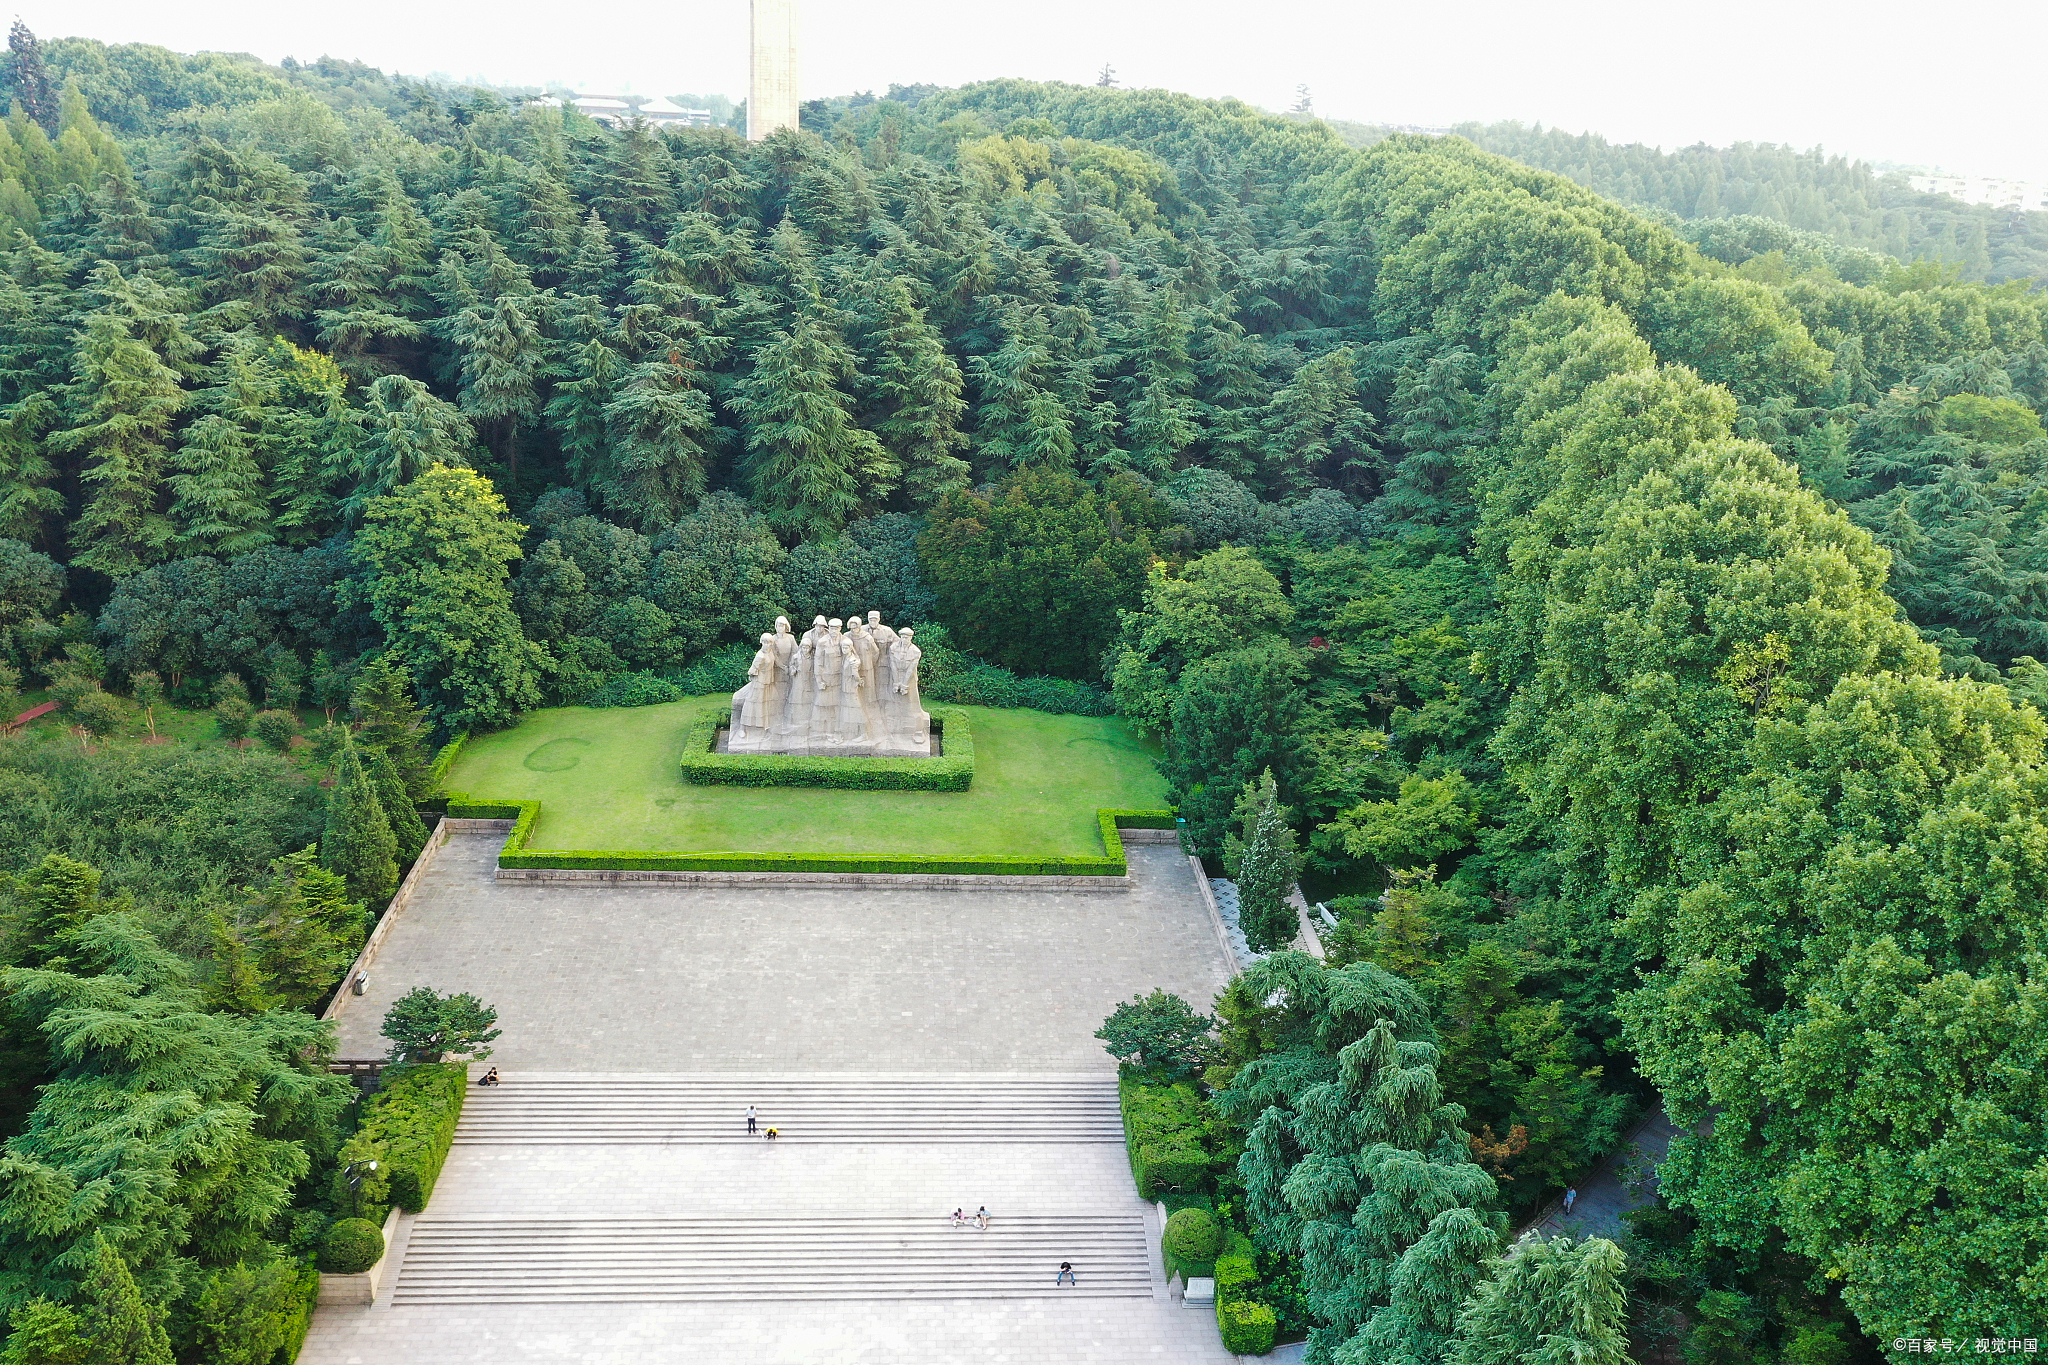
{"x": 405, "y": 431}
{"x": 1315, "y": 426}
{"x": 1265, "y": 865}
{"x": 809, "y": 467}
{"x": 358, "y": 845}
{"x": 123, "y": 397}
{"x": 404, "y": 817}
{"x": 307, "y": 929}
{"x": 389, "y": 720}
{"x": 1020, "y": 420}
{"x": 218, "y": 503}
{"x": 122, "y": 1325}
{"x": 31, "y": 79}
{"x": 660, "y": 428}
{"x": 1159, "y": 405}
{"x": 1549, "y": 1301}
{"x": 913, "y": 396}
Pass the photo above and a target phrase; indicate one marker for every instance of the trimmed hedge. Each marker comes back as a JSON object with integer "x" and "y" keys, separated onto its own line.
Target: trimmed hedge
{"x": 1246, "y": 1327}
{"x": 351, "y": 1246}
{"x": 952, "y": 771}
{"x": 524, "y": 813}
{"x": 445, "y": 760}
{"x": 1166, "y": 1131}
{"x": 298, "y": 1318}
{"x": 1190, "y": 1244}
{"x": 406, "y": 1129}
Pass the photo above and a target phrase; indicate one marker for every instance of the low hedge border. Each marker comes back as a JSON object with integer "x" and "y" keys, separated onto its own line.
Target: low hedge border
{"x": 406, "y": 1129}
{"x": 952, "y": 771}
{"x": 445, "y": 760}
{"x": 523, "y": 813}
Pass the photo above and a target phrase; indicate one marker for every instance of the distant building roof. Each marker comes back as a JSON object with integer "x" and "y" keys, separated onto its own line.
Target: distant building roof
{"x": 594, "y": 102}
{"x": 658, "y": 105}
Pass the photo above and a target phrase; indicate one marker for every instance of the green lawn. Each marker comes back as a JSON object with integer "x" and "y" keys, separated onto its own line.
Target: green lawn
{"x": 607, "y": 780}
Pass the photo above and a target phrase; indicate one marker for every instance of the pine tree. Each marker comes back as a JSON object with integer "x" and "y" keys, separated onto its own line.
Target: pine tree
{"x": 31, "y": 78}
{"x": 218, "y": 501}
{"x": 236, "y": 987}
{"x": 123, "y": 398}
{"x": 585, "y": 384}
{"x": 29, "y": 501}
{"x": 660, "y": 427}
{"x": 809, "y": 466}
{"x": 1020, "y": 420}
{"x": 1266, "y": 866}
{"x": 358, "y": 844}
{"x": 307, "y": 929}
{"x": 914, "y": 392}
{"x": 389, "y": 720}
{"x": 123, "y": 1326}
{"x": 52, "y": 902}
{"x": 1159, "y": 405}
{"x": 1315, "y": 422}
{"x": 406, "y": 826}
{"x": 405, "y": 430}
{"x": 1548, "y": 1302}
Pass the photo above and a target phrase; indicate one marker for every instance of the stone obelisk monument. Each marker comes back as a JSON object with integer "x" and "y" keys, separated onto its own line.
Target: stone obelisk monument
{"x": 771, "y": 92}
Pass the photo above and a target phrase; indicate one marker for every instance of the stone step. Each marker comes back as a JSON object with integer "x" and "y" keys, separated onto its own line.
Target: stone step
{"x": 549, "y": 1109}
{"x": 582, "y": 1260}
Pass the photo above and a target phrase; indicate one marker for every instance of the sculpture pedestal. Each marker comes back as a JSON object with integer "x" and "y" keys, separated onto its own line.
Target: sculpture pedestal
{"x": 738, "y": 741}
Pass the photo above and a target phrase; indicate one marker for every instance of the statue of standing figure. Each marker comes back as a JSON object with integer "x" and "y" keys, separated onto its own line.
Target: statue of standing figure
{"x": 846, "y": 687}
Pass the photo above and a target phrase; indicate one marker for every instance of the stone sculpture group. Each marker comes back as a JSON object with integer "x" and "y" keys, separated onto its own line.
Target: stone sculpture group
{"x": 845, "y": 689}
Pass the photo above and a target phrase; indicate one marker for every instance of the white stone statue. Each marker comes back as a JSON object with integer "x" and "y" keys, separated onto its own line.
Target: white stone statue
{"x": 847, "y": 687}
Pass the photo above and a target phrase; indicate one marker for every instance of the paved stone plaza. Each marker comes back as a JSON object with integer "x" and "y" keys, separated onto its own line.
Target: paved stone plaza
{"x": 653, "y": 983}
{"x": 601, "y": 977}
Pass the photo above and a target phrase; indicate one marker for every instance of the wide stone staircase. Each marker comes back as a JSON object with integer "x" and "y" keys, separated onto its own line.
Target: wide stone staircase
{"x": 629, "y": 1260}
{"x": 713, "y": 1226}
{"x": 632, "y": 1108}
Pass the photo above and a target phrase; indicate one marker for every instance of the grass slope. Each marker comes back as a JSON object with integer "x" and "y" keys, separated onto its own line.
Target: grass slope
{"x": 607, "y": 779}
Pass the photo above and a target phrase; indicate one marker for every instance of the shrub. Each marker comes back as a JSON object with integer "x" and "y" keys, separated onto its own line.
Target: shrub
{"x": 1233, "y": 1272}
{"x": 276, "y": 729}
{"x": 948, "y": 675}
{"x": 634, "y": 689}
{"x": 722, "y": 670}
{"x": 407, "y": 1126}
{"x": 1166, "y": 1132}
{"x": 351, "y": 1246}
{"x": 1246, "y": 1327}
{"x": 1165, "y": 1166}
{"x": 1191, "y": 1242}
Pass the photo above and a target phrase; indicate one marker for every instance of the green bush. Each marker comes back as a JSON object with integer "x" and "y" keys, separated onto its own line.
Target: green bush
{"x": 406, "y": 1129}
{"x": 1166, "y": 1133}
{"x": 445, "y": 760}
{"x": 949, "y": 675}
{"x": 1163, "y": 1166}
{"x": 1247, "y": 1327}
{"x": 351, "y": 1246}
{"x": 1191, "y": 1242}
{"x": 722, "y": 670}
{"x": 1235, "y": 1272}
{"x": 634, "y": 689}
{"x": 952, "y": 771}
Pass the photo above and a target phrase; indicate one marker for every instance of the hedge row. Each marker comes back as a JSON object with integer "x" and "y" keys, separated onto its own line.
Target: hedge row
{"x": 1166, "y": 1130}
{"x": 1246, "y": 1325}
{"x": 445, "y": 760}
{"x": 524, "y": 813}
{"x": 406, "y": 1129}
{"x": 952, "y": 771}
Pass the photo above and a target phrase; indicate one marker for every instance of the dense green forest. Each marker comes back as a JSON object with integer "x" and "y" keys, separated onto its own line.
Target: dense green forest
{"x": 1652, "y": 616}
{"x": 1810, "y": 192}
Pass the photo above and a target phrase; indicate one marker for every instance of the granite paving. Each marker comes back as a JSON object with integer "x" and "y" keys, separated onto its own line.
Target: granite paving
{"x": 653, "y": 977}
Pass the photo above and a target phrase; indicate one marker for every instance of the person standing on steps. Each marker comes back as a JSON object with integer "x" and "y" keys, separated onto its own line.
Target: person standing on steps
{"x": 1066, "y": 1275}
{"x": 1571, "y": 1197}
{"x": 750, "y": 1121}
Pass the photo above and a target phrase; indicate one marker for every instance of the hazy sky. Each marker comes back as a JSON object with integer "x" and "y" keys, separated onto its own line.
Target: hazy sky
{"x": 1963, "y": 92}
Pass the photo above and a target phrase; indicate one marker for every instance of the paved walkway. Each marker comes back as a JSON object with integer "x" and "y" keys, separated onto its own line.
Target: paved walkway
{"x": 666, "y": 978}
{"x": 799, "y": 984}
{"x": 1624, "y": 1180}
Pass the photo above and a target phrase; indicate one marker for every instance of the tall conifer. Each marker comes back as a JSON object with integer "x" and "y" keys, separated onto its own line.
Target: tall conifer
{"x": 358, "y": 844}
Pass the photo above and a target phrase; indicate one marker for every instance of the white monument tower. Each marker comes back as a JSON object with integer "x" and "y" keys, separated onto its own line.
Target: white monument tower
{"x": 771, "y": 93}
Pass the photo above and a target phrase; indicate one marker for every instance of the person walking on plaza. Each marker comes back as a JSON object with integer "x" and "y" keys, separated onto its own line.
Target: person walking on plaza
{"x": 1571, "y": 1197}
{"x": 750, "y": 1120}
{"x": 1066, "y": 1275}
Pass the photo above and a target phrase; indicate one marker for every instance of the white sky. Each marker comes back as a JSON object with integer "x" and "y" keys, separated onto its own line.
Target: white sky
{"x": 1958, "y": 85}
